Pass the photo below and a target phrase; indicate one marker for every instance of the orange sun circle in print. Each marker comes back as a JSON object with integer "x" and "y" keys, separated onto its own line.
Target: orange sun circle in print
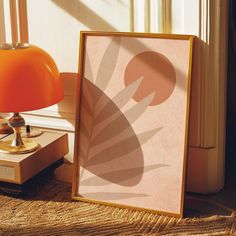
{"x": 157, "y": 73}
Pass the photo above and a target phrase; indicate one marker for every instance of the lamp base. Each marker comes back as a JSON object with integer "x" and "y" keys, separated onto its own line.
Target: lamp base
{"x": 29, "y": 146}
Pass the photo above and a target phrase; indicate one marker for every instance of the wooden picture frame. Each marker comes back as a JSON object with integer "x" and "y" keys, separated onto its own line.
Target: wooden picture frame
{"x": 132, "y": 120}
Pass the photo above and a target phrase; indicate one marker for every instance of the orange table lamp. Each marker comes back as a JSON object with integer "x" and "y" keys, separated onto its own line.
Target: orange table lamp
{"x": 29, "y": 80}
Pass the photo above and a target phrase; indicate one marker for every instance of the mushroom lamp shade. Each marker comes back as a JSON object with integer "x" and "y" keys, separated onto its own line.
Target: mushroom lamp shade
{"x": 29, "y": 80}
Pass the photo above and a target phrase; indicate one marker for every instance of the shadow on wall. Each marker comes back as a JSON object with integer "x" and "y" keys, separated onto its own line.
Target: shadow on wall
{"x": 84, "y": 14}
{"x": 67, "y": 107}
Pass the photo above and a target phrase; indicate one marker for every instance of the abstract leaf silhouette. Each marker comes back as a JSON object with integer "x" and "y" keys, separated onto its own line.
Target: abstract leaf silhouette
{"x": 118, "y": 150}
{"x": 84, "y": 130}
{"x": 108, "y": 64}
{"x": 123, "y": 176}
{"x": 90, "y": 94}
{"x": 88, "y": 102}
{"x": 135, "y": 112}
{"x": 86, "y": 122}
{"x": 133, "y": 152}
{"x": 145, "y": 136}
{"x": 122, "y": 145}
{"x": 106, "y": 133}
{"x": 110, "y": 130}
{"x": 121, "y": 99}
{"x": 126, "y": 144}
{"x": 125, "y": 95}
{"x": 121, "y": 148}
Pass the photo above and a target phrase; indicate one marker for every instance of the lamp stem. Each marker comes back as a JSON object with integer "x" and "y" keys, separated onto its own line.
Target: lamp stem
{"x": 17, "y": 141}
{"x": 16, "y": 122}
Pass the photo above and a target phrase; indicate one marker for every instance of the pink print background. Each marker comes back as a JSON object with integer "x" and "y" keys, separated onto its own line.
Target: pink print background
{"x": 133, "y": 121}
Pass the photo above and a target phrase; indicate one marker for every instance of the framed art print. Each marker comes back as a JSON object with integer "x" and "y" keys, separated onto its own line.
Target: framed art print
{"x": 132, "y": 120}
